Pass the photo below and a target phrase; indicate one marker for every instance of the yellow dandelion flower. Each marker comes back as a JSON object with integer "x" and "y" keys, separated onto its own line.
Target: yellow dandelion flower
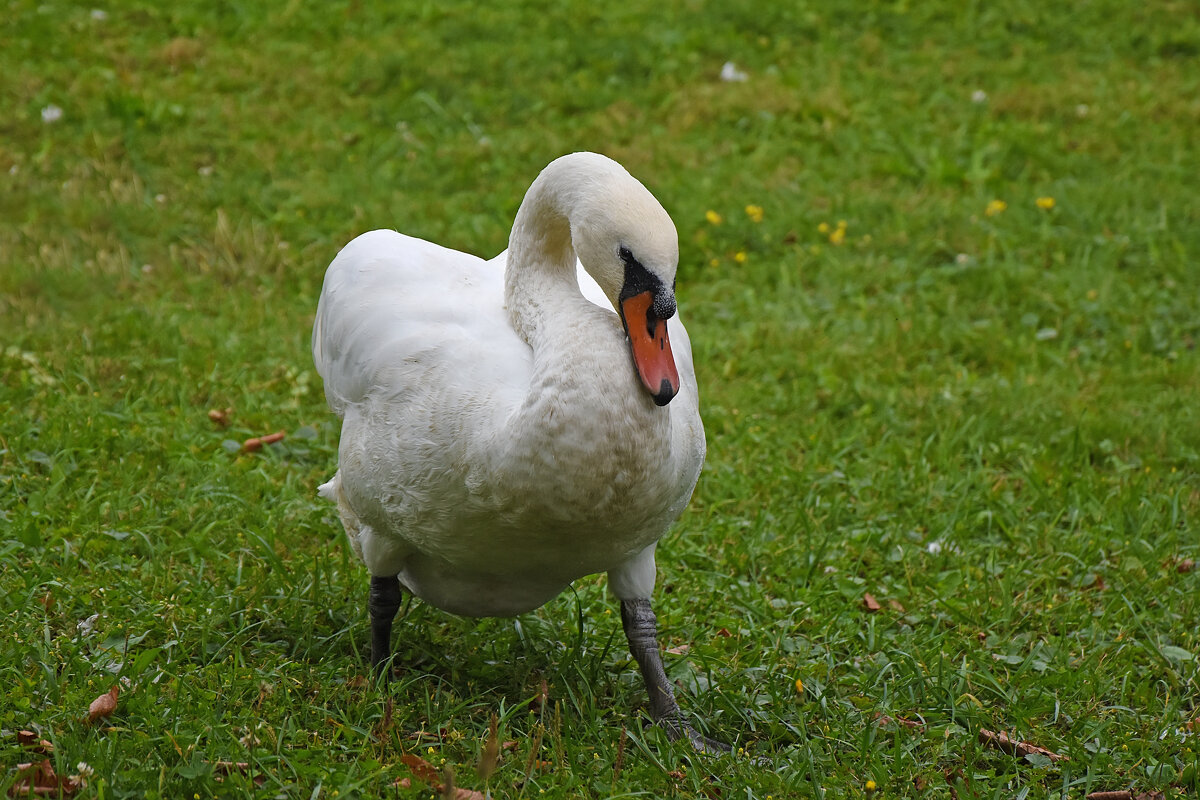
{"x": 842, "y": 224}
{"x": 799, "y": 686}
{"x": 430, "y": 751}
{"x": 1045, "y": 203}
{"x": 838, "y": 236}
{"x": 995, "y": 207}
{"x": 740, "y": 257}
{"x": 755, "y": 213}
{"x": 870, "y": 786}
{"x": 823, "y": 227}
{"x": 713, "y": 217}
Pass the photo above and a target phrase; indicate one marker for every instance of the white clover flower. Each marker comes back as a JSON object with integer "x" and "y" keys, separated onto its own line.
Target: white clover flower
{"x": 979, "y": 96}
{"x": 51, "y": 113}
{"x": 99, "y": 14}
{"x": 731, "y": 74}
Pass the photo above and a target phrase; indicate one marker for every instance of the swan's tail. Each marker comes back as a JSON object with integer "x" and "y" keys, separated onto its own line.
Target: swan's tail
{"x": 332, "y": 491}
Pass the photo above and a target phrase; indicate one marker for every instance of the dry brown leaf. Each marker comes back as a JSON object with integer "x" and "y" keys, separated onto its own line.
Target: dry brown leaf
{"x": 105, "y": 704}
{"x": 870, "y": 603}
{"x": 1125, "y": 795}
{"x": 678, "y": 650}
{"x": 256, "y": 444}
{"x": 220, "y": 416}
{"x": 1001, "y": 741}
{"x": 425, "y": 772}
{"x": 422, "y": 770}
{"x": 895, "y": 604}
{"x": 40, "y": 780}
{"x": 1185, "y": 565}
{"x": 724, "y": 633}
{"x": 35, "y": 744}
{"x": 884, "y": 719}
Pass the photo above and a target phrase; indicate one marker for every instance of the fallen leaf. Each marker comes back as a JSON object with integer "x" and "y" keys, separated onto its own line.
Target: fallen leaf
{"x": 426, "y": 773}
{"x": 220, "y": 416}
{"x": 105, "y": 704}
{"x": 1185, "y": 565}
{"x": 357, "y": 682}
{"x": 895, "y": 604}
{"x": 35, "y": 743}
{"x": 724, "y": 633}
{"x": 870, "y": 603}
{"x": 40, "y": 779}
{"x": 679, "y": 649}
{"x": 1125, "y": 795}
{"x": 256, "y": 444}
{"x": 1001, "y": 741}
{"x": 422, "y": 770}
{"x": 884, "y": 719}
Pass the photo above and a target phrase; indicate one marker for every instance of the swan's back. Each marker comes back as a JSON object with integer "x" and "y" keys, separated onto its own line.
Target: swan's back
{"x": 400, "y": 315}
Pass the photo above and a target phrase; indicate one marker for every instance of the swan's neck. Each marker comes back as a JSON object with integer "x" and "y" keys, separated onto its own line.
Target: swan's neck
{"x": 540, "y": 281}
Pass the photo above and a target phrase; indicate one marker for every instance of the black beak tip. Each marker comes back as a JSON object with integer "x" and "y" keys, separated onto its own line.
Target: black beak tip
{"x": 665, "y": 393}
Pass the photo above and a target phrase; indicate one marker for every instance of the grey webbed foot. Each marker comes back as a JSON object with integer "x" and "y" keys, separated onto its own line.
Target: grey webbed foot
{"x": 641, "y": 629}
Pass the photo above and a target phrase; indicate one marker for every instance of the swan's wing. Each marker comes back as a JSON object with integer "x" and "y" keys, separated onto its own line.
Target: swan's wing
{"x": 399, "y": 314}
{"x": 591, "y": 290}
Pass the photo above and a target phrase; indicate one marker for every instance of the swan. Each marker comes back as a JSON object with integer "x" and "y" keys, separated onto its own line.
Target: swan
{"x": 512, "y": 425}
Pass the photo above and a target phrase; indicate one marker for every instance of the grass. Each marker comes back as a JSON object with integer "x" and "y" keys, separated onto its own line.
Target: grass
{"x": 987, "y": 422}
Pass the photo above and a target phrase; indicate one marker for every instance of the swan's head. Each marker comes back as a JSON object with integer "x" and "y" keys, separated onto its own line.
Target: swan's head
{"x": 628, "y": 244}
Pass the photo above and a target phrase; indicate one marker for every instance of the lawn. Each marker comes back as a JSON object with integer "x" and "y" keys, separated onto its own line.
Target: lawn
{"x": 939, "y": 265}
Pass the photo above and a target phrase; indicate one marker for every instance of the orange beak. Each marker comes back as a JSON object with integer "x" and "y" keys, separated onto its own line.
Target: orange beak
{"x": 651, "y": 347}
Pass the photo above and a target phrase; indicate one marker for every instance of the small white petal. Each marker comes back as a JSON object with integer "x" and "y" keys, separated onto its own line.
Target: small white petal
{"x": 51, "y": 113}
{"x": 978, "y": 96}
{"x": 99, "y": 14}
{"x": 731, "y": 74}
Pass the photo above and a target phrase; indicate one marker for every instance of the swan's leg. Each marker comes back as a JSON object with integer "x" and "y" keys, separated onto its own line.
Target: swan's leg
{"x": 383, "y": 602}
{"x": 641, "y": 629}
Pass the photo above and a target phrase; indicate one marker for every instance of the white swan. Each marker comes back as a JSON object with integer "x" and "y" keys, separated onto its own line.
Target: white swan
{"x": 504, "y": 431}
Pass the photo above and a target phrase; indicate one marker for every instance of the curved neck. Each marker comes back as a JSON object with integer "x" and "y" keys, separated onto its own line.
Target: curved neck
{"x": 540, "y": 279}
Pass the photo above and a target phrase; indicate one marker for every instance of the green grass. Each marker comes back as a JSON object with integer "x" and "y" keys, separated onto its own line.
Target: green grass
{"x": 990, "y": 420}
